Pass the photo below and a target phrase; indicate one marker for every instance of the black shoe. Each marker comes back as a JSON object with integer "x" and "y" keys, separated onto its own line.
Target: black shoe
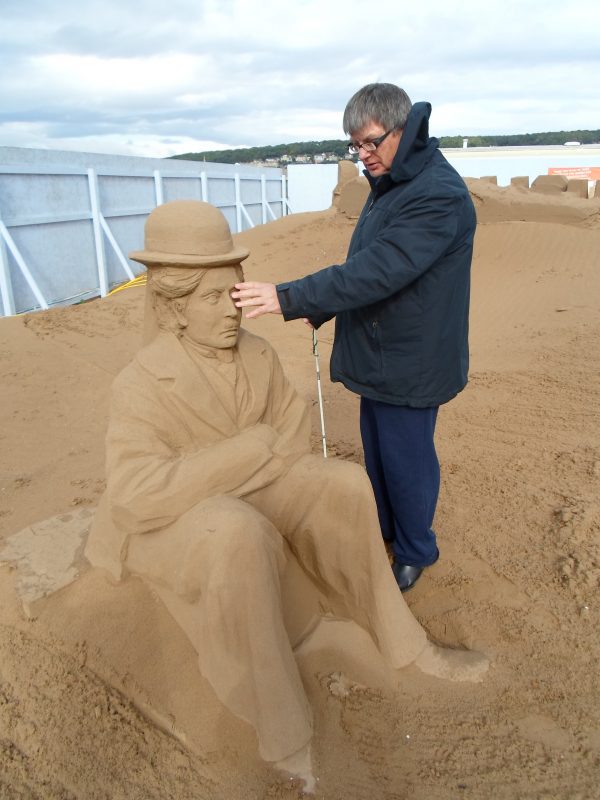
{"x": 406, "y": 576}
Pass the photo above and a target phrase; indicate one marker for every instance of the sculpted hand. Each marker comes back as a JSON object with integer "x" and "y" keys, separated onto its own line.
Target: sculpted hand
{"x": 261, "y": 295}
{"x": 277, "y": 463}
{"x": 265, "y": 433}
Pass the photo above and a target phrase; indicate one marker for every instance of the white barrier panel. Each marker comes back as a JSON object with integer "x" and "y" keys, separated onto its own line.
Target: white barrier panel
{"x": 68, "y": 220}
{"x": 310, "y": 186}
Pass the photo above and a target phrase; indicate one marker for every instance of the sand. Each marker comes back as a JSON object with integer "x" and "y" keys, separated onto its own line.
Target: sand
{"x": 100, "y": 695}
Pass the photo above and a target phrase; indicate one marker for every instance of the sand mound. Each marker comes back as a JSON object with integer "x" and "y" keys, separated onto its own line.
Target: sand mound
{"x": 516, "y": 203}
{"x": 100, "y": 695}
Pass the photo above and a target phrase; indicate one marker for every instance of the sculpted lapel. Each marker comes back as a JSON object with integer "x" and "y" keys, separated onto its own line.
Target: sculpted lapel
{"x": 194, "y": 398}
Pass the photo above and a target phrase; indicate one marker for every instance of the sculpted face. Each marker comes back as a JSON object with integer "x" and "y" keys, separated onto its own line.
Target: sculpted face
{"x": 212, "y": 318}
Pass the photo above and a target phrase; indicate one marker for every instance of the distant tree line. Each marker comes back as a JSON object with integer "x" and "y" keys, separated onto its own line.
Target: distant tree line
{"x": 524, "y": 139}
{"x": 335, "y": 149}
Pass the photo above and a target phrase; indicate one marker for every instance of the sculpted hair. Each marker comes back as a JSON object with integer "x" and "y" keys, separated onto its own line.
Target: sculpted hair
{"x": 172, "y": 285}
{"x": 174, "y": 282}
{"x": 383, "y": 103}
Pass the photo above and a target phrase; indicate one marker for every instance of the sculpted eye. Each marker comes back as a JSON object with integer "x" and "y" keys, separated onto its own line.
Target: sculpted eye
{"x": 212, "y": 298}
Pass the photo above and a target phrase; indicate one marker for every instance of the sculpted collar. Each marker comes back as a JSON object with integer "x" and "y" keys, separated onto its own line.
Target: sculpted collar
{"x": 221, "y": 354}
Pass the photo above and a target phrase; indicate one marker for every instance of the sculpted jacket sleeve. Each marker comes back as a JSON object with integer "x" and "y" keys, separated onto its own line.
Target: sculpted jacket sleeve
{"x": 288, "y": 414}
{"x": 151, "y": 484}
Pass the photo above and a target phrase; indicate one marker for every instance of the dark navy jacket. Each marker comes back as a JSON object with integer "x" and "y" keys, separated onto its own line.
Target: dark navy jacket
{"x": 401, "y": 299}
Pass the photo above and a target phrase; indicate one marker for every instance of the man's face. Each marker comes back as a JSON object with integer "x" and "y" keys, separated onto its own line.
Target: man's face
{"x": 377, "y": 162}
{"x": 212, "y": 318}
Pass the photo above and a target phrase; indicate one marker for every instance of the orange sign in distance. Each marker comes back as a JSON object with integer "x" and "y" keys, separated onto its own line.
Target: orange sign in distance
{"x": 587, "y": 173}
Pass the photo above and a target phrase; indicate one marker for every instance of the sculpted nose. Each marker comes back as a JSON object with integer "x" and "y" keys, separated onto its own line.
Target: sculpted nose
{"x": 230, "y": 308}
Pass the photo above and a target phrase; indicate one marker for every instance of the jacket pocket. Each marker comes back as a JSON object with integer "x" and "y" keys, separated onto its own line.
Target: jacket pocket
{"x": 376, "y": 346}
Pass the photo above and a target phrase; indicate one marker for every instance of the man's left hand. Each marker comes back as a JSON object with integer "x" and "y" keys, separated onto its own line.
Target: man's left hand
{"x": 262, "y": 296}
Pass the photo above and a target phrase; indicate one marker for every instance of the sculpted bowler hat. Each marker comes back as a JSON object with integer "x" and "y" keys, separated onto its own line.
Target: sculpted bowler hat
{"x": 188, "y": 233}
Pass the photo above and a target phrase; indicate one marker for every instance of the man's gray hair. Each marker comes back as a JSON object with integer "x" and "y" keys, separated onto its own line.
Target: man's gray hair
{"x": 383, "y": 103}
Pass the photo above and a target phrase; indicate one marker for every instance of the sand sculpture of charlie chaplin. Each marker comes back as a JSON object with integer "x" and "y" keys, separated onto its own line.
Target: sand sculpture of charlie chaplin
{"x": 211, "y": 486}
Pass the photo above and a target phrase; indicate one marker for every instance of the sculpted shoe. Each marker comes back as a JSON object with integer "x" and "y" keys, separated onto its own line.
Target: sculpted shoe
{"x": 406, "y": 576}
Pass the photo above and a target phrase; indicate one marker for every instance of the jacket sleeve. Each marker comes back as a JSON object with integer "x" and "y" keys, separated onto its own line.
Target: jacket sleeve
{"x": 411, "y": 241}
{"x": 288, "y": 414}
{"x": 151, "y": 485}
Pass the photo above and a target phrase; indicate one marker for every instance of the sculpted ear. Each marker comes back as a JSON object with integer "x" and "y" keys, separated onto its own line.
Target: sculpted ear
{"x": 178, "y": 308}
{"x": 169, "y": 313}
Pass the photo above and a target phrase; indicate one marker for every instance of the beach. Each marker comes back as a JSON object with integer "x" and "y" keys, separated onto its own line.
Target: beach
{"x": 100, "y": 694}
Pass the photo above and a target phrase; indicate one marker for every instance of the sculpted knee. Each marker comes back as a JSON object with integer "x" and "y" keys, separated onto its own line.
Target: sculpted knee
{"x": 229, "y": 544}
{"x": 344, "y": 482}
{"x": 252, "y": 538}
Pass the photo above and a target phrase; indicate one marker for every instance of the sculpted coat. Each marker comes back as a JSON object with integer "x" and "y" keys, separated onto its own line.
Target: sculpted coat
{"x": 210, "y": 481}
{"x": 174, "y": 439}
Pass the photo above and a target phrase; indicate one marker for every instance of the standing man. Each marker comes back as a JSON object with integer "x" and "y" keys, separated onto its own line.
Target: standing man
{"x": 401, "y": 303}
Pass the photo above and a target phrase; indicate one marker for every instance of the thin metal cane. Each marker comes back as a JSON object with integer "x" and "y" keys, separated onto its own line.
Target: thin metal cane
{"x": 320, "y": 393}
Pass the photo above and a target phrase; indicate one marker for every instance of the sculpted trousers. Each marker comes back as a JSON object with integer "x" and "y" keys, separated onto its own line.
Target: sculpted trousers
{"x": 226, "y": 556}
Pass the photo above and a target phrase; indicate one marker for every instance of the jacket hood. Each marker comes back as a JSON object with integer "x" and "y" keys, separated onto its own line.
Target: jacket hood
{"x": 414, "y": 151}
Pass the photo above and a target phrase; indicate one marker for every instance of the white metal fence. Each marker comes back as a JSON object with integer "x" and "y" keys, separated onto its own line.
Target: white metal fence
{"x": 65, "y": 230}
{"x": 67, "y": 220}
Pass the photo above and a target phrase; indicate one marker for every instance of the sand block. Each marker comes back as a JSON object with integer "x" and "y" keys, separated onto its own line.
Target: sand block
{"x": 353, "y": 196}
{"x": 47, "y": 555}
{"x": 550, "y": 184}
{"x": 579, "y": 187}
{"x": 347, "y": 171}
{"x": 520, "y": 180}
{"x": 490, "y": 179}
{"x": 515, "y": 203}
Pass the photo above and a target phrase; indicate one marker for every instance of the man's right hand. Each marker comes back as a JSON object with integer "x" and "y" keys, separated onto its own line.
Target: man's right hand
{"x": 261, "y": 298}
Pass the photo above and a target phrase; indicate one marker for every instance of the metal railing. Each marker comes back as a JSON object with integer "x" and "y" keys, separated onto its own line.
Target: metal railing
{"x": 64, "y": 232}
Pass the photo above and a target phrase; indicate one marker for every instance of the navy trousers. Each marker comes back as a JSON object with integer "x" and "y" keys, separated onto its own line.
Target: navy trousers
{"x": 404, "y": 470}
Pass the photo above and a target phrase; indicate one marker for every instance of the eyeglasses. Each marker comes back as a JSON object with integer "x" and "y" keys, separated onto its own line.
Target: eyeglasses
{"x": 368, "y": 147}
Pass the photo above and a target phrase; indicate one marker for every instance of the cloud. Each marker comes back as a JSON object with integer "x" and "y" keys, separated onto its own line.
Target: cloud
{"x": 235, "y": 72}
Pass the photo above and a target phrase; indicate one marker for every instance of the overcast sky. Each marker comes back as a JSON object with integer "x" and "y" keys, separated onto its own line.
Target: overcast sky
{"x": 159, "y": 77}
